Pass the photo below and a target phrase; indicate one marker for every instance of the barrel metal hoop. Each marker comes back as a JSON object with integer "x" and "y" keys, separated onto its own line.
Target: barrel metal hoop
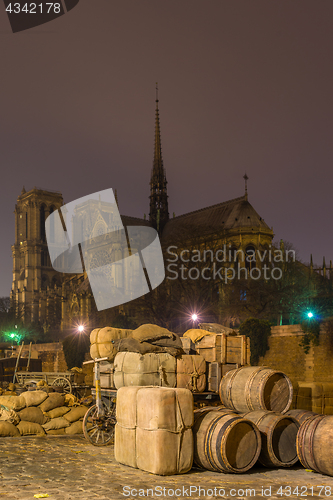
{"x": 207, "y": 442}
{"x": 222, "y": 436}
{"x": 229, "y": 386}
{"x": 311, "y": 437}
{"x": 300, "y": 444}
{"x": 248, "y": 386}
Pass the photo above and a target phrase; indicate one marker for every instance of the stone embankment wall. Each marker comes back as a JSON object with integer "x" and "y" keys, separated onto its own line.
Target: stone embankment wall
{"x": 285, "y": 354}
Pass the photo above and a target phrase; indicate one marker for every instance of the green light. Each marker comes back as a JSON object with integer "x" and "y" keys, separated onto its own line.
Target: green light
{"x": 12, "y": 335}
{"x": 310, "y": 315}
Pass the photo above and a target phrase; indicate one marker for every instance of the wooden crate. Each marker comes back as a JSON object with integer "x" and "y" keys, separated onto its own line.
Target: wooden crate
{"x": 225, "y": 349}
{"x": 106, "y": 376}
{"x": 188, "y": 345}
{"x": 215, "y": 372}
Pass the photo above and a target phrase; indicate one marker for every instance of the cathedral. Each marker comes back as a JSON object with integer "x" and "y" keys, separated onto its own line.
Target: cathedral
{"x": 42, "y": 295}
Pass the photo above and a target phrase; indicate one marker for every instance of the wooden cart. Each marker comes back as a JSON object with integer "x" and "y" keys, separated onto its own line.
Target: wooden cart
{"x": 100, "y": 420}
{"x": 65, "y": 380}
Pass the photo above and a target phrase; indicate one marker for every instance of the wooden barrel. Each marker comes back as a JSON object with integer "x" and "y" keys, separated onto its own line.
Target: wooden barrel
{"x": 278, "y": 435}
{"x": 314, "y": 444}
{"x": 251, "y": 388}
{"x": 301, "y": 415}
{"x": 222, "y": 409}
{"x": 225, "y": 442}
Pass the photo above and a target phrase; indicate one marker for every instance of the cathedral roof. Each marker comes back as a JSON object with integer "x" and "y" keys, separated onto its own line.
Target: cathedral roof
{"x": 233, "y": 214}
{"x": 127, "y": 220}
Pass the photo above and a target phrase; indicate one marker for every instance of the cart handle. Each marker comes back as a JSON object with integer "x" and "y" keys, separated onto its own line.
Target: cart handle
{"x": 94, "y": 360}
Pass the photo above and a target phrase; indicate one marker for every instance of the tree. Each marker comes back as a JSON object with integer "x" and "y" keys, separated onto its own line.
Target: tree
{"x": 281, "y": 288}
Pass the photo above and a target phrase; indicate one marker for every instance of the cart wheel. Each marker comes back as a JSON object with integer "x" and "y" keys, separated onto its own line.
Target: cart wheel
{"x": 64, "y": 383}
{"x": 99, "y": 431}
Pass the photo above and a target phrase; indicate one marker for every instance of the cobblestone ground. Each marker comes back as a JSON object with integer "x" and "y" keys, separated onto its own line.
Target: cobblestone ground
{"x": 68, "y": 468}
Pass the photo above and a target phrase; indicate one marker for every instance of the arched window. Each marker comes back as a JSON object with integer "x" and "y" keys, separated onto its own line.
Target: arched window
{"x": 250, "y": 257}
{"x": 52, "y": 224}
{"x": 45, "y": 281}
{"x": 234, "y": 260}
{"x": 42, "y": 222}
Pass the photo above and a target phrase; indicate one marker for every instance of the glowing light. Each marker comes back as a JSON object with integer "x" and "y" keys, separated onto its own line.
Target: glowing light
{"x": 194, "y": 317}
{"x": 310, "y": 315}
{"x": 12, "y": 335}
{"x": 81, "y": 328}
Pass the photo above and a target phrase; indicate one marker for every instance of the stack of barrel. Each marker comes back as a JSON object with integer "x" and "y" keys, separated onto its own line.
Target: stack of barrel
{"x": 252, "y": 425}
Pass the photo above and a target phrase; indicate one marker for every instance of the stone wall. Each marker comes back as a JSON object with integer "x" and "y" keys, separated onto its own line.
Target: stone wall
{"x": 52, "y": 356}
{"x": 285, "y": 354}
{"x": 53, "y": 359}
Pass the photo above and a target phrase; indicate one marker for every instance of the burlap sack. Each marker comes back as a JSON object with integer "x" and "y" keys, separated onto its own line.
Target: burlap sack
{"x": 33, "y": 414}
{"x": 153, "y": 430}
{"x": 58, "y": 412}
{"x": 76, "y": 413}
{"x": 53, "y": 400}
{"x": 150, "y": 333}
{"x": 34, "y": 398}
{"x": 195, "y": 334}
{"x": 102, "y": 341}
{"x": 56, "y": 423}
{"x": 75, "y": 428}
{"x": 8, "y": 429}
{"x": 217, "y": 328}
{"x": 30, "y": 429}
{"x": 56, "y": 432}
{"x": 14, "y": 402}
{"x": 133, "y": 345}
{"x": 191, "y": 372}
{"x": 160, "y": 337}
{"x": 8, "y": 415}
{"x": 70, "y": 400}
{"x": 134, "y": 369}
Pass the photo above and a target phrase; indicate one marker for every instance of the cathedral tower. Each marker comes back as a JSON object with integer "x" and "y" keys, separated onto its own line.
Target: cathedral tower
{"x": 159, "y": 213}
{"x": 35, "y": 282}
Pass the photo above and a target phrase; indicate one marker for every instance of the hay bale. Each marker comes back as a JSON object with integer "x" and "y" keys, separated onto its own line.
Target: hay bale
{"x": 14, "y": 402}
{"x": 56, "y": 423}
{"x": 53, "y": 400}
{"x": 7, "y": 429}
{"x": 30, "y": 429}
{"x": 58, "y": 412}
{"x": 75, "y": 428}
{"x": 76, "y": 413}
{"x": 34, "y": 398}
{"x": 34, "y": 415}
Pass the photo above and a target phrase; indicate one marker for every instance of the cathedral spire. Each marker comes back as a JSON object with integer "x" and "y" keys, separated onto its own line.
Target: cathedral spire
{"x": 245, "y": 177}
{"x": 159, "y": 213}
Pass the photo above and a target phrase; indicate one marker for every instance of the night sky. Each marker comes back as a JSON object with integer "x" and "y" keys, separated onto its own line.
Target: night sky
{"x": 243, "y": 86}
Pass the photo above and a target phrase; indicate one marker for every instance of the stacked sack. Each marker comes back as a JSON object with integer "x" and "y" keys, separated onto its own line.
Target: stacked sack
{"x": 149, "y": 355}
{"x": 36, "y": 413}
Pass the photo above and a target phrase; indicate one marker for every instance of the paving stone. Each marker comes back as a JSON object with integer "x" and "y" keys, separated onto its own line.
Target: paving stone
{"x": 69, "y": 468}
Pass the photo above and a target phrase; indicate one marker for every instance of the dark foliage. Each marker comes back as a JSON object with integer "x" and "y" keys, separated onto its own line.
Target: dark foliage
{"x": 258, "y": 331}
